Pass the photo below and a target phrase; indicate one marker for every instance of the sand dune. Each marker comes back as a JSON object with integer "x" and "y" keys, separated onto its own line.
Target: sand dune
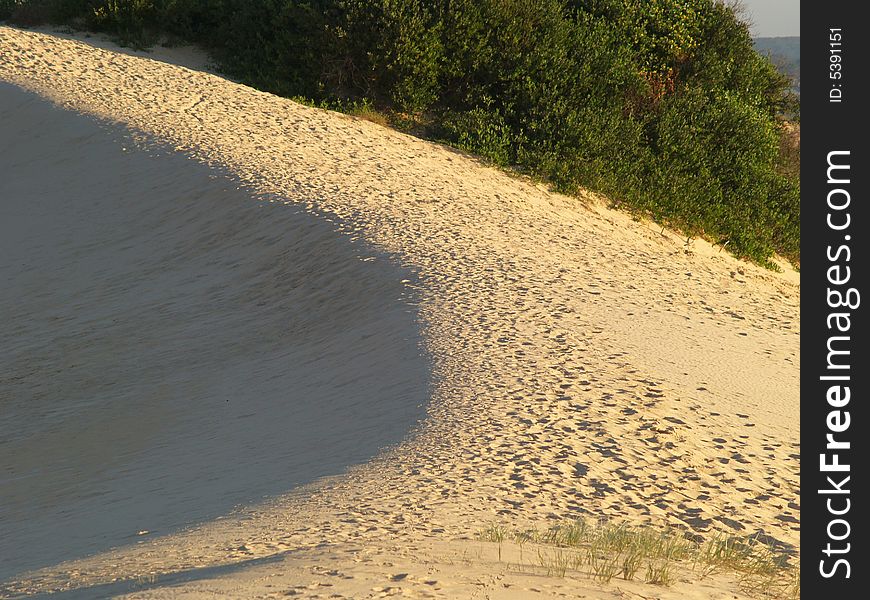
{"x": 172, "y": 348}
{"x": 582, "y": 362}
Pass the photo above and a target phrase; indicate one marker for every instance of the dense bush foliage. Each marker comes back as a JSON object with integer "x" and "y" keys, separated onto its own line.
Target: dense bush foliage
{"x": 663, "y": 105}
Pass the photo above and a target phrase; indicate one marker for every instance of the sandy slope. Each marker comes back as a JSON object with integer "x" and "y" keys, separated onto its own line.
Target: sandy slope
{"x": 583, "y": 362}
{"x": 172, "y": 348}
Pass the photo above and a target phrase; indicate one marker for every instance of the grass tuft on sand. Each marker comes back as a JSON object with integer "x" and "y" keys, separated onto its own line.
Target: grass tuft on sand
{"x": 607, "y": 550}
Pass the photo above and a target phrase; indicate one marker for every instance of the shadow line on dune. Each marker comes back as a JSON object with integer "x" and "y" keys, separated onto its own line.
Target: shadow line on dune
{"x": 127, "y": 586}
{"x": 174, "y": 348}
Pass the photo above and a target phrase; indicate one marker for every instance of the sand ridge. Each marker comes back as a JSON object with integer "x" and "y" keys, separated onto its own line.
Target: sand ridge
{"x": 584, "y": 364}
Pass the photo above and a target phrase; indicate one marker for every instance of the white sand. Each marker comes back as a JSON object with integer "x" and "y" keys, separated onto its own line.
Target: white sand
{"x": 583, "y": 363}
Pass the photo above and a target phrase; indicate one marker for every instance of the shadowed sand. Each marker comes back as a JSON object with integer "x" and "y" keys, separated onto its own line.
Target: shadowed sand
{"x": 583, "y": 363}
{"x": 171, "y": 347}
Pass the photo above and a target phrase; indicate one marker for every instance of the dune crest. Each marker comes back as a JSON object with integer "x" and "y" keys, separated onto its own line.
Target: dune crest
{"x": 584, "y": 364}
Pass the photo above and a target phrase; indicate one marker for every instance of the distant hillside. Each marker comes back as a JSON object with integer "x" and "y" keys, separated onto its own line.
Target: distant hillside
{"x": 785, "y": 52}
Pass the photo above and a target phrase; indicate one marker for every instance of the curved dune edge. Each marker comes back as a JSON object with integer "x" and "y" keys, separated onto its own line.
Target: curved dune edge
{"x": 584, "y": 363}
{"x": 173, "y": 347}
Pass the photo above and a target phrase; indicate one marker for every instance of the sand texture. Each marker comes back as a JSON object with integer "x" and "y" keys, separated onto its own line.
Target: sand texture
{"x": 172, "y": 354}
{"x": 580, "y": 362}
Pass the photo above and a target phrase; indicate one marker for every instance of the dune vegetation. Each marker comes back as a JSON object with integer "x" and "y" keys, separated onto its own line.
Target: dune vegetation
{"x": 608, "y": 550}
{"x": 664, "y": 106}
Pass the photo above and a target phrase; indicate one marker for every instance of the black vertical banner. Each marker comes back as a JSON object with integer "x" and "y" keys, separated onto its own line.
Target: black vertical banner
{"x": 835, "y": 368}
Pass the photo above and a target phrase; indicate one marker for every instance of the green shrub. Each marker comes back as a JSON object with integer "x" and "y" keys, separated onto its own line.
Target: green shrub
{"x": 482, "y": 132}
{"x": 38, "y": 12}
{"x": 663, "y": 105}
{"x": 127, "y": 19}
{"x": 395, "y": 48}
{"x": 6, "y": 8}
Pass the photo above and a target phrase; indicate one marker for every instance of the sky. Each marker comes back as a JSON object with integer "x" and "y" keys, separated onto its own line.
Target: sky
{"x": 774, "y": 18}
